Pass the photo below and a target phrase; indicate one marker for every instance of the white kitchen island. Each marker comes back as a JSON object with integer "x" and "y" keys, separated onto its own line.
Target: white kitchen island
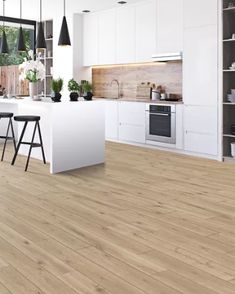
{"x": 73, "y": 132}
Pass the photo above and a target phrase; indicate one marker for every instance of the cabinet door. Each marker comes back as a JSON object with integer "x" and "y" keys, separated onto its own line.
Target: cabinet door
{"x": 132, "y": 122}
{"x": 107, "y": 37}
{"x": 111, "y": 120}
{"x": 146, "y": 31}
{"x": 126, "y": 34}
{"x": 169, "y": 26}
{"x": 90, "y": 39}
{"x": 200, "y": 124}
{"x": 200, "y": 13}
{"x": 200, "y": 66}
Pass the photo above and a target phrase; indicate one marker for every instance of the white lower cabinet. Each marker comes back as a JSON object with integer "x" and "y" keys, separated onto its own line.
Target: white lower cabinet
{"x": 200, "y": 125}
{"x": 132, "y": 122}
{"x": 111, "y": 120}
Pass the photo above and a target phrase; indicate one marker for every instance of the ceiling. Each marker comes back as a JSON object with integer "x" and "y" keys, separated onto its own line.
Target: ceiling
{"x": 52, "y": 7}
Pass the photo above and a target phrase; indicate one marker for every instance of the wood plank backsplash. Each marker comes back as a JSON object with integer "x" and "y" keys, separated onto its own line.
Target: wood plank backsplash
{"x": 9, "y": 79}
{"x": 134, "y": 79}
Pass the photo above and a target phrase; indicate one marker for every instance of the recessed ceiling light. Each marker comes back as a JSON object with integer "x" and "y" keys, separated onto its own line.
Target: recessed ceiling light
{"x": 122, "y": 2}
{"x": 86, "y": 11}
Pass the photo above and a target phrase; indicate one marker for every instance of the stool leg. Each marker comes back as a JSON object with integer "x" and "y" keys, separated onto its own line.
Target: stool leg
{"x": 13, "y": 134}
{"x": 31, "y": 146}
{"x": 40, "y": 137}
{"x": 19, "y": 143}
{"x": 6, "y": 139}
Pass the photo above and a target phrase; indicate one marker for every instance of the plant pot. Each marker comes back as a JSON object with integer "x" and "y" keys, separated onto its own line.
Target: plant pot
{"x": 88, "y": 96}
{"x": 33, "y": 90}
{"x": 73, "y": 96}
{"x": 56, "y": 97}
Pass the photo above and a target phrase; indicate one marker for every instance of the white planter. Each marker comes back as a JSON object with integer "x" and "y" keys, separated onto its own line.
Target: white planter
{"x": 233, "y": 149}
{"x": 33, "y": 90}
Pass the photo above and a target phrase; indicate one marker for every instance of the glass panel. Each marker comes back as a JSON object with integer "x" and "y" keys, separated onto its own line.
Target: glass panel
{"x": 14, "y": 57}
{"x": 160, "y": 125}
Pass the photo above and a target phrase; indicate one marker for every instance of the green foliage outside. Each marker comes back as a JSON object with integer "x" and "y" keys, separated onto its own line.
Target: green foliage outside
{"x": 14, "y": 57}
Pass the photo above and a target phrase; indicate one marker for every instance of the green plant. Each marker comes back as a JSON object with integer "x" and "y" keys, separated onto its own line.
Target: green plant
{"x": 73, "y": 86}
{"x": 87, "y": 87}
{"x": 57, "y": 85}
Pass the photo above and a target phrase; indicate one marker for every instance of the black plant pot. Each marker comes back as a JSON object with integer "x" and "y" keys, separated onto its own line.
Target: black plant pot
{"x": 56, "y": 97}
{"x": 88, "y": 96}
{"x": 73, "y": 96}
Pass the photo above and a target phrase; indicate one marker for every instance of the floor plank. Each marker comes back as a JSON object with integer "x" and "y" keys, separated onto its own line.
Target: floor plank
{"x": 145, "y": 220}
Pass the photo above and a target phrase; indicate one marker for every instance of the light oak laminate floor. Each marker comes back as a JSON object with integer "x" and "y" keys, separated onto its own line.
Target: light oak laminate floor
{"x": 146, "y": 222}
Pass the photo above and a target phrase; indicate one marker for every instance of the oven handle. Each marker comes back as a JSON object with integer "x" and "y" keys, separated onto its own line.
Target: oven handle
{"x": 159, "y": 114}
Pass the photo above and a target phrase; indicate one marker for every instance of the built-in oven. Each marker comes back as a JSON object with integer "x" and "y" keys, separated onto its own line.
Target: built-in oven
{"x": 161, "y": 123}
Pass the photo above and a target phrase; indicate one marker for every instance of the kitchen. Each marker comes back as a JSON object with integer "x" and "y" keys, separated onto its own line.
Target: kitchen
{"x": 118, "y": 146}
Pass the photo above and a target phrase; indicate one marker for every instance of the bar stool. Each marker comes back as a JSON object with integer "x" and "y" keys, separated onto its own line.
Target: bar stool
{"x": 26, "y": 119}
{"x": 9, "y": 115}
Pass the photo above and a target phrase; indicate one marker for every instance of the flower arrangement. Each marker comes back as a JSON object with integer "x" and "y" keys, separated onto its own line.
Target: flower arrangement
{"x": 31, "y": 69}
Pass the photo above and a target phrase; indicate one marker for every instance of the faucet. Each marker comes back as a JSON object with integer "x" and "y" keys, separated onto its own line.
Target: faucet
{"x": 118, "y": 85}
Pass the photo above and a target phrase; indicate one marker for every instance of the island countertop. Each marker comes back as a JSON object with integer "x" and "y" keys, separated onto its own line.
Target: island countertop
{"x": 73, "y": 132}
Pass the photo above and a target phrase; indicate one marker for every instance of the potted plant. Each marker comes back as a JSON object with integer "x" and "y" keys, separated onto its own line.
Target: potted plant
{"x": 33, "y": 71}
{"x": 87, "y": 90}
{"x": 56, "y": 86}
{"x": 74, "y": 89}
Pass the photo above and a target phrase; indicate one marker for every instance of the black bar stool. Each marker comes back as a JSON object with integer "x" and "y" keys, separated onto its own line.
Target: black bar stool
{"x": 8, "y": 115}
{"x": 26, "y": 119}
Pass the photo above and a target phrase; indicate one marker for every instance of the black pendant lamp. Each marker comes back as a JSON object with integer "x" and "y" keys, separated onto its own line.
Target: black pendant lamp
{"x": 41, "y": 42}
{"x": 4, "y": 45}
{"x": 21, "y": 47}
{"x": 64, "y": 39}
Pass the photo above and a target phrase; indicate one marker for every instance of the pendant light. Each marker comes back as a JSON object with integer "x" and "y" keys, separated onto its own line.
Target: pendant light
{"x": 64, "y": 39}
{"x": 41, "y": 42}
{"x": 4, "y": 45}
{"x": 21, "y": 41}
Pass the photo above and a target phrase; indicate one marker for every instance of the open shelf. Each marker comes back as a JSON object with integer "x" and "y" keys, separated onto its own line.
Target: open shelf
{"x": 229, "y": 103}
{"x": 232, "y": 9}
{"x": 229, "y": 40}
{"x": 229, "y": 135}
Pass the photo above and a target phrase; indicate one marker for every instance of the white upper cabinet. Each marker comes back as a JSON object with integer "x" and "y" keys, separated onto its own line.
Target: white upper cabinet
{"x": 169, "y": 26}
{"x": 90, "y": 39}
{"x": 200, "y": 13}
{"x": 107, "y": 37}
{"x": 146, "y": 31}
{"x": 126, "y": 35}
{"x": 200, "y": 67}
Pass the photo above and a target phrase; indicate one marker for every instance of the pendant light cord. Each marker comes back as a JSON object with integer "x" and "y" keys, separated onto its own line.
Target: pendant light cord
{"x": 64, "y": 8}
{"x": 3, "y": 10}
{"x": 40, "y": 10}
{"x": 20, "y": 12}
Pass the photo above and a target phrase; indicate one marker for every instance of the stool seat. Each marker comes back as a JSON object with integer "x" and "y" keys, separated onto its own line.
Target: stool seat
{"x": 27, "y": 118}
{"x": 6, "y": 114}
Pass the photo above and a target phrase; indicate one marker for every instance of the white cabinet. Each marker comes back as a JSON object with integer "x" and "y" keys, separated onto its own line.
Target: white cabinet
{"x": 200, "y": 125}
{"x": 132, "y": 122}
{"x": 169, "y": 26}
{"x": 107, "y": 37}
{"x": 111, "y": 120}
{"x": 146, "y": 31}
{"x": 200, "y": 66}
{"x": 126, "y": 35}
{"x": 90, "y": 39}
{"x": 200, "y": 13}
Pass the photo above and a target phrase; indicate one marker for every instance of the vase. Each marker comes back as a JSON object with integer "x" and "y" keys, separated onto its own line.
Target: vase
{"x": 74, "y": 96}
{"x": 56, "y": 97}
{"x": 33, "y": 90}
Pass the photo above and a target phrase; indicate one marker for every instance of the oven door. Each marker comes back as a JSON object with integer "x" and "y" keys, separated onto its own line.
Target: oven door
{"x": 161, "y": 127}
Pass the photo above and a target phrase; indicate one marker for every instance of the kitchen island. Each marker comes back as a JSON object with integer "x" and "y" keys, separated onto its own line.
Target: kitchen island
{"x": 73, "y": 132}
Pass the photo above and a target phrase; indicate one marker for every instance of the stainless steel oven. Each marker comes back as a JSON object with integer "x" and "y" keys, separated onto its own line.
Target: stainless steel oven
{"x": 161, "y": 123}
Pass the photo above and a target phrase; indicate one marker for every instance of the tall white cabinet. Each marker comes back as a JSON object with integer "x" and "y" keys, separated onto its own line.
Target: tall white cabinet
{"x": 200, "y": 74}
{"x": 169, "y": 26}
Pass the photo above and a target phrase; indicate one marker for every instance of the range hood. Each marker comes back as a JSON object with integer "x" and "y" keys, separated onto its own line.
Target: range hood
{"x": 167, "y": 57}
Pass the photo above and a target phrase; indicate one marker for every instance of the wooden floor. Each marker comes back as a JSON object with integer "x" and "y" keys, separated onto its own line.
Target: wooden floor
{"x": 147, "y": 222}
